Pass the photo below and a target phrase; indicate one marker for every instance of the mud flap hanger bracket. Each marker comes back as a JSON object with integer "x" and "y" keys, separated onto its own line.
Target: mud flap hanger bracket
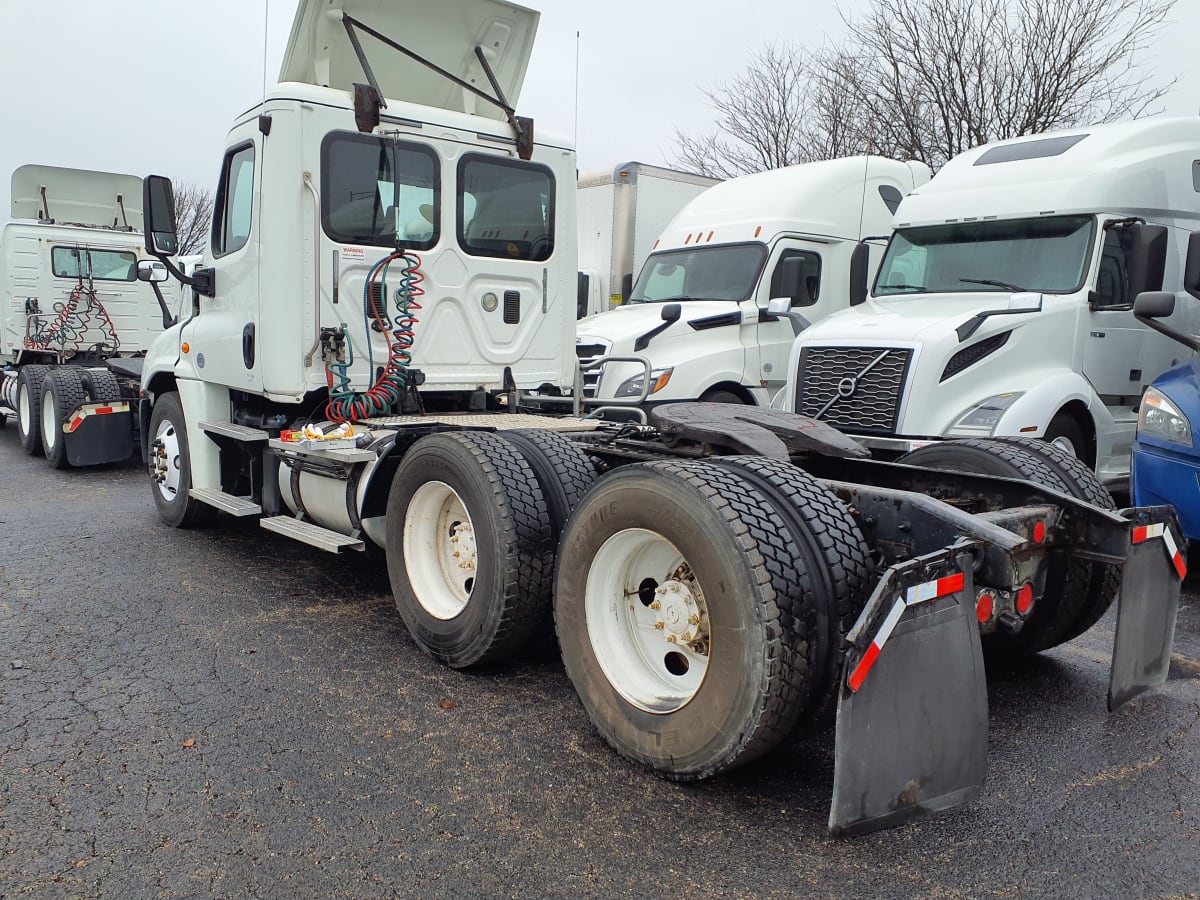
{"x": 912, "y": 722}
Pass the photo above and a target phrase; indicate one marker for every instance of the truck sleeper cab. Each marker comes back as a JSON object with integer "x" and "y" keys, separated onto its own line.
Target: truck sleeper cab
{"x": 704, "y": 589}
{"x": 1003, "y": 305}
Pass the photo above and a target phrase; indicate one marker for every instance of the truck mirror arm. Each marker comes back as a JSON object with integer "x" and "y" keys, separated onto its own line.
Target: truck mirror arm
{"x": 168, "y": 319}
{"x": 1189, "y": 342}
{"x": 202, "y": 281}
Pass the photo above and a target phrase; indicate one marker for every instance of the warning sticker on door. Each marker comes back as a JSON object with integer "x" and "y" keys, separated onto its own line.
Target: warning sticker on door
{"x": 354, "y": 253}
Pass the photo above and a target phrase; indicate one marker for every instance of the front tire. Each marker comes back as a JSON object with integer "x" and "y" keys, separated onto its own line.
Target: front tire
{"x": 720, "y": 396}
{"x": 171, "y": 467}
{"x": 469, "y": 549}
{"x": 1064, "y": 434}
{"x": 680, "y": 616}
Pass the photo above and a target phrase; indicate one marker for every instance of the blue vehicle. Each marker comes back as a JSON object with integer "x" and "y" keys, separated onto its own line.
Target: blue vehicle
{"x": 1166, "y": 454}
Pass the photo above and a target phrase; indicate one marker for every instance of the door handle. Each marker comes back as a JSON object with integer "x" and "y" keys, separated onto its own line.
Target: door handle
{"x": 248, "y": 345}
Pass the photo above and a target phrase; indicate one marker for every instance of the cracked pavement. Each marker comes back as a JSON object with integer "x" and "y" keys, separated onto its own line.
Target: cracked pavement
{"x": 227, "y": 713}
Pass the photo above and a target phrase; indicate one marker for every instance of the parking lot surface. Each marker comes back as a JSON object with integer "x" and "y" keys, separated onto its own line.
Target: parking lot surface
{"x": 224, "y": 712}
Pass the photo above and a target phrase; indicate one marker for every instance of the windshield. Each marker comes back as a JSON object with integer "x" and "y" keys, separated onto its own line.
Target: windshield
{"x": 720, "y": 272}
{"x": 1048, "y": 255}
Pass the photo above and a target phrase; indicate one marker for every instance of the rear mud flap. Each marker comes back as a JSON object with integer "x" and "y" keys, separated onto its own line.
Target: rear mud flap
{"x": 95, "y": 439}
{"x": 1151, "y": 583}
{"x": 912, "y": 720}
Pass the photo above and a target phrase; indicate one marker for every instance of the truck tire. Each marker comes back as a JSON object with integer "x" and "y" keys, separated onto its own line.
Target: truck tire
{"x": 715, "y": 674}
{"x": 1105, "y": 581}
{"x": 29, "y": 407}
{"x": 100, "y": 386}
{"x": 469, "y": 549}
{"x": 1064, "y": 434}
{"x": 720, "y": 396}
{"x": 171, "y": 467}
{"x": 831, "y": 548}
{"x": 1068, "y": 580}
{"x": 62, "y": 394}
{"x": 562, "y": 468}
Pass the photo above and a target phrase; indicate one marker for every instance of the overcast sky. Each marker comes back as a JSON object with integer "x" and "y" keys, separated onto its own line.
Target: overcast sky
{"x": 143, "y": 86}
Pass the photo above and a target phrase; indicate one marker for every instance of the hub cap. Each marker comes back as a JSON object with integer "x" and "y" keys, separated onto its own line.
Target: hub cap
{"x": 165, "y": 469}
{"x": 440, "y": 553}
{"x": 647, "y": 620}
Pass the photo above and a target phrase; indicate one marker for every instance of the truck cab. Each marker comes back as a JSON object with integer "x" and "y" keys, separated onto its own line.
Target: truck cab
{"x": 698, "y": 310}
{"x": 1004, "y": 302}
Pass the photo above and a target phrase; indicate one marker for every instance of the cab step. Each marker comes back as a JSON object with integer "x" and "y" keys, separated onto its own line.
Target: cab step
{"x": 237, "y": 432}
{"x": 313, "y": 535}
{"x": 235, "y": 506}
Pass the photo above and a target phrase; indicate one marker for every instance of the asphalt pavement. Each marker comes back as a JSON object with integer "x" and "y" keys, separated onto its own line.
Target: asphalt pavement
{"x": 227, "y": 713}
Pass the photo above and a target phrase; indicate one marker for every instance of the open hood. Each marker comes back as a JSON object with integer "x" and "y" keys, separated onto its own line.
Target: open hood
{"x": 445, "y": 32}
{"x": 77, "y": 197}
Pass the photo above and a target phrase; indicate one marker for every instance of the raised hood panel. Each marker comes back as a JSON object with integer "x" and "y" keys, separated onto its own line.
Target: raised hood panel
{"x": 77, "y": 197}
{"x": 445, "y": 32}
{"x": 905, "y": 319}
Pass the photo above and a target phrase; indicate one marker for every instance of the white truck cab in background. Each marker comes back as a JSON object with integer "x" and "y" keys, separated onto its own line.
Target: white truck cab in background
{"x": 622, "y": 211}
{"x": 1003, "y": 305}
{"x": 698, "y": 309}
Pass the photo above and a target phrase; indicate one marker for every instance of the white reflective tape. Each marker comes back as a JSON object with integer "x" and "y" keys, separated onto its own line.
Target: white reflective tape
{"x": 889, "y": 624}
{"x": 1172, "y": 547}
{"x": 922, "y": 592}
{"x": 1153, "y": 531}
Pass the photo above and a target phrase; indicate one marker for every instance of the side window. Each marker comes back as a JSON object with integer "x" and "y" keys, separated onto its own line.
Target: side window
{"x": 101, "y": 265}
{"x": 505, "y": 208}
{"x": 812, "y": 276}
{"x": 235, "y": 202}
{"x": 379, "y": 191}
{"x": 1112, "y": 279}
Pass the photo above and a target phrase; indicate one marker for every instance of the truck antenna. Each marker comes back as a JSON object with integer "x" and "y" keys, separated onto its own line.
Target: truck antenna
{"x": 576, "y": 139}
{"x": 266, "y": 31}
{"x": 862, "y": 209}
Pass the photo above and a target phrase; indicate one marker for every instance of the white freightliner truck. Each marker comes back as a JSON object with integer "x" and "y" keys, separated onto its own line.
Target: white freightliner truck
{"x": 1004, "y": 302}
{"x": 621, "y": 212}
{"x": 407, "y": 265}
{"x": 79, "y": 306}
{"x": 698, "y": 311}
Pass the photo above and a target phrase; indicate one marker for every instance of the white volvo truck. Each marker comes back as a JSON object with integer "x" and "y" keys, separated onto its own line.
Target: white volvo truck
{"x": 622, "y": 211}
{"x": 1004, "y": 302}
{"x": 79, "y": 306}
{"x": 406, "y": 267}
{"x": 698, "y": 311}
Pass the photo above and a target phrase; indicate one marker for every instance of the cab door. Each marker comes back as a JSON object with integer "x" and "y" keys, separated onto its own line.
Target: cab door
{"x": 224, "y": 337}
{"x": 774, "y": 337}
{"x": 1113, "y": 339}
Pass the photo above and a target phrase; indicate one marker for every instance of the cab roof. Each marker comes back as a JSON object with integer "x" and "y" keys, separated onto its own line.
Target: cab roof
{"x": 445, "y": 32}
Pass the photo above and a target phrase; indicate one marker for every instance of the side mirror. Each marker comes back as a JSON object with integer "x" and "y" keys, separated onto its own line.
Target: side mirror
{"x": 152, "y": 271}
{"x": 860, "y": 264}
{"x": 626, "y": 287}
{"x": 671, "y": 312}
{"x": 777, "y": 306}
{"x": 1148, "y": 258}
{"x": 158, "y": 211}
{"x": 1191, "y": 268}
{"x": 1154, "y": 305}
{"x": 793, "y": 281}
{"x": 583, "y": 293}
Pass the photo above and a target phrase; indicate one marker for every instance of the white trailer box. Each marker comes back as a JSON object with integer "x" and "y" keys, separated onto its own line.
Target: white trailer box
{"x": 1004, "y": 303}
{"x": 721, "y": 260}
{"x": 622, "y": 211}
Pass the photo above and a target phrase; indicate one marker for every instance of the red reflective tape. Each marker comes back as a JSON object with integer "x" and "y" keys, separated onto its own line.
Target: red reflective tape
{"x": 859, "y": 675}
{"x": 1140, "y": 534}
{"x": 950, "y": 584}
{"x": 76, "y": 423}
{"x": 103, "y": 410}
{"x": 1180, "y": 564}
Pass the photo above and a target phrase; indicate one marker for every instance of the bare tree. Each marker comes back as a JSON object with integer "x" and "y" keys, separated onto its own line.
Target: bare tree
{"x": 193, "y": 216}
{"x": 927, "y": 79}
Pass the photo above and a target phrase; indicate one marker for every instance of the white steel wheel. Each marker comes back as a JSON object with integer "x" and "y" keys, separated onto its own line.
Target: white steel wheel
{"x": 647, "y": 620}
{"x": 440, "y": 550}
{"x": 24, "y": 410}
{"x": 50, "y": 423}
{"x": 165, "y": 460}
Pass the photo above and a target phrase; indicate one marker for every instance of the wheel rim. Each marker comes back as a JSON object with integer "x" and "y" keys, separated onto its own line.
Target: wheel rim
{"x": 647, "y": 620}
{"x": 1065, "y": 444}
{"x": 24, "y": 413}
{"x": 440, "y": 552}
{"x": 165, "y": 464}
{"x": 49, "y": 421}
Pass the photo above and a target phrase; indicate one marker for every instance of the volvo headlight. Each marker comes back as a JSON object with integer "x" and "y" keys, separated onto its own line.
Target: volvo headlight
{"x": 982, "y": 418}
{"x": 1159, "y": 418}
{"x": 633, "y": 386}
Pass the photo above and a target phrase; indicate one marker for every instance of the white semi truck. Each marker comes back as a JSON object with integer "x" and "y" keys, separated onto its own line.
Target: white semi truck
{"x": 399, "y": 272}
{"x": 698, "y": 312}
{"x": 621, "y": 213}
{"x": 79, "y": 306}
{"x": 1004, "y": 302}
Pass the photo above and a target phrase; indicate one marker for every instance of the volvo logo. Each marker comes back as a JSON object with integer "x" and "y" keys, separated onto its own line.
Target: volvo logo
{"x": 846, "y": 388}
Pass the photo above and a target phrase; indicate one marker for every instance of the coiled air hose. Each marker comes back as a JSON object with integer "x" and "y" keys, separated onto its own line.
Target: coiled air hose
{"x": 346, "y": 405}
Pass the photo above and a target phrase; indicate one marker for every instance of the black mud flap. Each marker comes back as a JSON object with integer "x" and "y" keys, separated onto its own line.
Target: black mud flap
{"x": 1151, "y": 581}
{"x": 912, "y": 720}
{"x": 99, "y": 438}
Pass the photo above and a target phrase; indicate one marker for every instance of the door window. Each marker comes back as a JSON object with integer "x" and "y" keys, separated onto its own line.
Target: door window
{"x": 1112, "y": 279}
{"x": 379, "y": 191}
{"x": 505, "y": 208}
{"x": 235, "y": 201}
{"x": 812, "y": 276}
